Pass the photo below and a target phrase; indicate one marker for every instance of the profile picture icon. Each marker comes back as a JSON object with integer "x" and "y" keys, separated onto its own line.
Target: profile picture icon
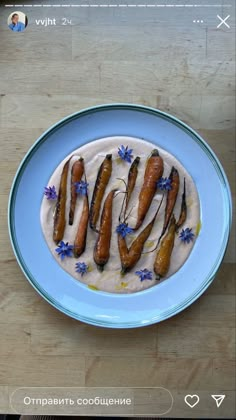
{"x": 17, "y": 21}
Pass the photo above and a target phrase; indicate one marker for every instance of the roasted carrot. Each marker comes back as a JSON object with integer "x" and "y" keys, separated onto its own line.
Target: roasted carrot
{"x": 123, "y": 251}
{"x": 81, "y": 235}
{"x": 153, "y": 172}
{"x": 183, "y": 210}
{"x": 135, "y": 251}
{"x": 171, "y": 197}
{"x": 129, "y": 257}
{"x": 60, "y": 212}
{"x": 132, "y": 176}
{"x": 129, "y": 186}
{"x": 77, "y": 171}
{"x": 102, "y": 247}
{"x": 104, "y": 174}
{"x": 163, "y": 257}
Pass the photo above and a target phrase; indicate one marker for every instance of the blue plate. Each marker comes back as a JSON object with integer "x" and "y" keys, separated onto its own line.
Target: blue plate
{"x": 76, "y": 299}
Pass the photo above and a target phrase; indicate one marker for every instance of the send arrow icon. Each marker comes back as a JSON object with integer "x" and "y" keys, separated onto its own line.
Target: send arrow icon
{"x": 218, "y": 399}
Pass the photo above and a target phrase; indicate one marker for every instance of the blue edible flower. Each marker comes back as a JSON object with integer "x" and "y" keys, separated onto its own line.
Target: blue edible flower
{"x": 81, "y": 267}
{"x": 164, "y": 184}
{"x": 64, "y": 250}
{"x": 144, "y": 274}
{"x": 81, "y": 187}
{"x": 123, "y": 229}
{"x": 125, "y": 153}
{"x": 50, "y": 193}
{"x": 186, "y": 235}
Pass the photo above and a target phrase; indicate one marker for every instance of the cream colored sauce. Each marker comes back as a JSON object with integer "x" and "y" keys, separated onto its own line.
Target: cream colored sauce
{"x": 110, "y": 279}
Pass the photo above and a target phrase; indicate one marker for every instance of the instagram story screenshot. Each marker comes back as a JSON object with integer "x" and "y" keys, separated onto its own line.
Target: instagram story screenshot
{"x": 117, "y": 229}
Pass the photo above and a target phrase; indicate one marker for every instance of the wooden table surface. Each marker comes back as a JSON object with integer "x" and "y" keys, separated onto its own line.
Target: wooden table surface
{"x": 160, "y": 59}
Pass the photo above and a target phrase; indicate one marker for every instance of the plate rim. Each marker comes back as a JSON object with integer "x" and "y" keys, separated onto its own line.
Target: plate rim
{"x": 132, "y": 107}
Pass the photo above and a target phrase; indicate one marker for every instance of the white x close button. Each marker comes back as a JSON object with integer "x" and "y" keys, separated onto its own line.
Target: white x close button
{"x": 223, "y": 21}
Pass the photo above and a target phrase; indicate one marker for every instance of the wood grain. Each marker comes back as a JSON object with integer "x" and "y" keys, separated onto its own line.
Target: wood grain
{"x": 116, "y": 56}
{"x": 69, "y": 338}
{"x": 169, "y": 372}
{"x": 42, "y": 371}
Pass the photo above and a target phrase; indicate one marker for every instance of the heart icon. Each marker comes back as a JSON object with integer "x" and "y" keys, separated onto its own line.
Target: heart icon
{"x": 191, "y": 400}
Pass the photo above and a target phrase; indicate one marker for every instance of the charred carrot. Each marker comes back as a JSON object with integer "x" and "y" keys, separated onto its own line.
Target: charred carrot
{"x": 171, "y": 197}
{"x": 135, "y": 251}
{"x": 60, "y": 212}
{"x": 132, "y": 176}
{"x": 77, "y": 171}
{"x": 81, "y": 234}
{"x": 163, "y": 257}
{"x": 104, "y": 174}
{"x": 153, "y": 172}
{"x": 124, "y": 252}
{"x": 129, "y": 257}
{"x": 183, "y": 210}
{"x": 102, "y": 247}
